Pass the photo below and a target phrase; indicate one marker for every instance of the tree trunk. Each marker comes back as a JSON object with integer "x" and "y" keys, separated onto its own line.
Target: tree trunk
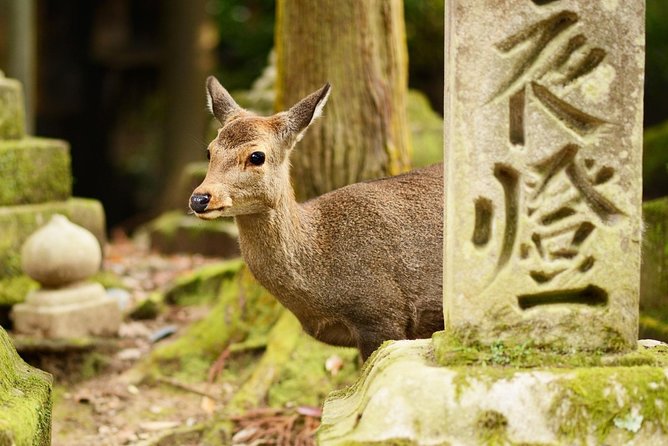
{"x": 360, "y": 48}
{"x": 186, "y": 117}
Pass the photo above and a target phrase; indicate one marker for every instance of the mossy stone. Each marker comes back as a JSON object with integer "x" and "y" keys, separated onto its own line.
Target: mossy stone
{"x": 404, "y": 397}
{"x": 34, "y": 170}
{"x": 17, "y": 223}
{"x": 654, "y": 271}
{"x": 175, "y": 232}
{"x": 25, "y": 400}
{"x": 12, "y": 113}
{"x": 202, "y": 285}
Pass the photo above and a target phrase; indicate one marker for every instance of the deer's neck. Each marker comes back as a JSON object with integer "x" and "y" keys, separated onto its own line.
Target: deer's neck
{"x": 276, "y": 239}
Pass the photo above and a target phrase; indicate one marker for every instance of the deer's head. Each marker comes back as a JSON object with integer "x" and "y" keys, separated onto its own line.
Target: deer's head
{"x": 249, "y": 158}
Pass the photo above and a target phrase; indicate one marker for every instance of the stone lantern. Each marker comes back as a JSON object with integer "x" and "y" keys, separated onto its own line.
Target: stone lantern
{"x": 62, "y": 257}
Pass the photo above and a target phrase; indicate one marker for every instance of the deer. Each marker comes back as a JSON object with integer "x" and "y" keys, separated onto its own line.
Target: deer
{"x": 357, "y": 266}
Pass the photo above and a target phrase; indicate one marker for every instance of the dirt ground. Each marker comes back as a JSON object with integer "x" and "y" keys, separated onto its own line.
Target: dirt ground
{"x": 107, "y": 403}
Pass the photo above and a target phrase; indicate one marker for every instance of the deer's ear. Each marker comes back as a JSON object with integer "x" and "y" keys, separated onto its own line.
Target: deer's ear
{"x": 219, "y": 102}
{"x": 304, "y": 112}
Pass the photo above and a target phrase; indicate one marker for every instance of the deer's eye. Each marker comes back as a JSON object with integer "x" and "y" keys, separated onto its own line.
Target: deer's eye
{"x": 256, "y": 158}
{"x": 208, "y": 155}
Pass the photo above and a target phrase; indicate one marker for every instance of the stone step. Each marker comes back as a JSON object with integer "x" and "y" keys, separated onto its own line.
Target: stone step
{"x": 12, "y": 114}
{"x": 34, "y": 170}
{"x": 18, "y": 222}
{"x": 25, "y": 393}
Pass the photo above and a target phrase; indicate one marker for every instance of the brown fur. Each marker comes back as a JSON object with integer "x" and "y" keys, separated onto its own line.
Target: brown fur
{"x": 357, "y": 266}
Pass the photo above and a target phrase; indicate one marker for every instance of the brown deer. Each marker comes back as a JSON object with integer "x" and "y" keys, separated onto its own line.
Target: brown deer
{"x": 357, "y": 266}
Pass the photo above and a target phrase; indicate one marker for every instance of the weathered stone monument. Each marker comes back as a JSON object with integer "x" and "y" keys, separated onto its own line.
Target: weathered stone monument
{"x": 542, "y": 244}
{"x": 62, "y": 257}
{"x": 35, "y": 183}
{"x": 544, "y": 188}
{"x": 25, "y": 399}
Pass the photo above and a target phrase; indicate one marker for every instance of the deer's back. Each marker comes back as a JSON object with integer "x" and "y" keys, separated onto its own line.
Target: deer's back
{"x": 380, "y": 251}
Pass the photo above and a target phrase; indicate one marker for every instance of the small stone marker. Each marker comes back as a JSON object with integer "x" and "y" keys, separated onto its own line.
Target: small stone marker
{"x": 61, "y": 256}
{"x": 544, "y": 146}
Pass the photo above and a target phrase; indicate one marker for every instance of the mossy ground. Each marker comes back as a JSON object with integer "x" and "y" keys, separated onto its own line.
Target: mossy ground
{"x": 25, "y": 396}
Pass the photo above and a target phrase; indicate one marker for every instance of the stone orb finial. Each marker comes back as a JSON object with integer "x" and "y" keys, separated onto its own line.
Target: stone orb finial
{"x": 60, "y": 253}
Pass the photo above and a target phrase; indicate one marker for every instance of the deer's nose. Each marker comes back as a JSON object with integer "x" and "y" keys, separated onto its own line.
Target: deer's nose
{"x": 198, "y": 203}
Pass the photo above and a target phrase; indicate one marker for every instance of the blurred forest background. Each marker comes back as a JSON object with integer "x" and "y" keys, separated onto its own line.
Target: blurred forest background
{"x": 122, "y": 81}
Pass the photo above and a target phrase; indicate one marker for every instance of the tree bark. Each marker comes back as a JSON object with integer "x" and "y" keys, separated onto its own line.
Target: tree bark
{"x": 360, "y": 48}
{"x": 184, "y": 75}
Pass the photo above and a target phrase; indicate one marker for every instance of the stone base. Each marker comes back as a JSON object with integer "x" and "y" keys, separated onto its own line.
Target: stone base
{"x": 17, "y": 223}
{"x": 405, "y": 398}
{"x": 83, "y": 309}
{"x": 175, "y": 232}
{"x": 25, "y": 399}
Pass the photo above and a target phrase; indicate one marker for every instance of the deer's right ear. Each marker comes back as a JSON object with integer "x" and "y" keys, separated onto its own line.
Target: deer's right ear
{"x": 218, "y": 100}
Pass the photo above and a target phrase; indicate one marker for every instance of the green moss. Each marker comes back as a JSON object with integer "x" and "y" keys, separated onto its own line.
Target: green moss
{"x": 244, "y": 311}
{"x": 25, "y": 396}
{"x": 13, "y": 290}
{"x": 491, "y": 428}
{"x": 19, "y": 222}
{"x": 305, "y": 369}
{"x": 176, "y": 232}
{"x": 450, "y": 352}
{"x": 12, "y": 114}
{"x": 203, "y": 284}
{"x": 149, "y": 308}
{"x": 34, "y": 170}
{"x": 595, "y": 400}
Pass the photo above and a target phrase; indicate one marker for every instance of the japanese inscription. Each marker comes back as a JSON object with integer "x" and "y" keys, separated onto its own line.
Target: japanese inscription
{"x": 543, "y": 184}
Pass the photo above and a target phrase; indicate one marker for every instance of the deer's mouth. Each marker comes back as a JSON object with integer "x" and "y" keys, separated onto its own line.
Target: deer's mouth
{"x": 210, "y": 214}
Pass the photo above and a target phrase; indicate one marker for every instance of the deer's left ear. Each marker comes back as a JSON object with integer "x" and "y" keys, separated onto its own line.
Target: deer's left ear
{"x": 304, "y": 112}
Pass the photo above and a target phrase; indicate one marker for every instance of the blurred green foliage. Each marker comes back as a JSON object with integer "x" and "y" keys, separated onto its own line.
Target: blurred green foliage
{"x": 246, "y": 29}
{"x": 656, "y": 80}
{"x": 424, "y": 36}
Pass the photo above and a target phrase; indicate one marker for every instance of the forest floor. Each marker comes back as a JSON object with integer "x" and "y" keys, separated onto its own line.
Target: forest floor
{"x": 101, "y": 399}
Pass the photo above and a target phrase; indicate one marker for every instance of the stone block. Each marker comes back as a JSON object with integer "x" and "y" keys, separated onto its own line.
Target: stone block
{"x": 175, "y": 232}
{"x": 34, "y": 170}
{"x": 543, "y": 189}
{"x": 12, "y": 112}
{"x": 17, "y": 223}
{"x": 25, "y": 396}
{"x": 75, "y": 311}
{"x": 654, "y": 277}
{"x": 405, "y": 398}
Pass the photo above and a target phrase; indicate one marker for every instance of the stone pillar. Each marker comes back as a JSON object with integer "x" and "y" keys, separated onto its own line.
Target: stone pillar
{"x": 543, "y": 185}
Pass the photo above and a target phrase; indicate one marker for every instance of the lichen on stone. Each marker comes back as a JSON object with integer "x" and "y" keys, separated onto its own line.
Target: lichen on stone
{"x": 34, "y": 170}
{"x": 25, "y": 396}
